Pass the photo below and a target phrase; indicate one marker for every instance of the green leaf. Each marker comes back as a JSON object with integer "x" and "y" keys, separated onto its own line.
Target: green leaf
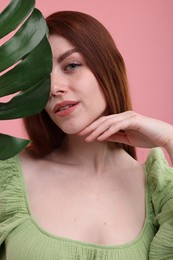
{"x": 26, "y": 103}
{"x": 10, "y": 146}
{"x": 29, "y": 47}
{"x": 14, "y": 14}
{"x": 26, "y": 73}
{"x": 24, "y": 41}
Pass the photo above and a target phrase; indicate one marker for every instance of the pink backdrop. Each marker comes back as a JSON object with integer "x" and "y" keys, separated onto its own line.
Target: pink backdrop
{"x": 143, "y": 32}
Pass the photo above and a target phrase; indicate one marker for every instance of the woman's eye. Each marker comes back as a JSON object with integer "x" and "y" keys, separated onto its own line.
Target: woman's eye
{"x": 72, "y": 66}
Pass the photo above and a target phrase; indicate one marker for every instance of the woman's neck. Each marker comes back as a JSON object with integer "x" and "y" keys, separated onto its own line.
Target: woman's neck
{"x": 96, "y": 156}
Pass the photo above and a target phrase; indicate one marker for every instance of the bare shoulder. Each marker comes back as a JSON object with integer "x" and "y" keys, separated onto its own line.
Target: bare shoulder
{"x": 28, "y": 162}
{"x": 35, "y": 169}
{"x": 31, "y": 167}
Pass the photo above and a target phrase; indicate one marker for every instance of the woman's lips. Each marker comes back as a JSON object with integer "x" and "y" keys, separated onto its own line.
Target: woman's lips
{"x": 65, "y": 108}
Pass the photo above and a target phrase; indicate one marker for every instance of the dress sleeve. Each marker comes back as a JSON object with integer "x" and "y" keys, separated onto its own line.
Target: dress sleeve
{"x": 11, "y": 198}
{"x": 160, "y": 182}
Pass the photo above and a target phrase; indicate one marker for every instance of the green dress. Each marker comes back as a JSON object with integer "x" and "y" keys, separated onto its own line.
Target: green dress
{"x": 21, "y": 238}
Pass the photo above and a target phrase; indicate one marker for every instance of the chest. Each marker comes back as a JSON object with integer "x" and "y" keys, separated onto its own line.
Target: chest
{"x": 95, "y": 210}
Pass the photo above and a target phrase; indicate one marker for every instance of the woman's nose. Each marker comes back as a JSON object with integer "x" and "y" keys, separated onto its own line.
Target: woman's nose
{"x": 58, "y": 84}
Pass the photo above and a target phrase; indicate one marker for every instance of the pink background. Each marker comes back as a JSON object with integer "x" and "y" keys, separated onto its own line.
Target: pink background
{"x": 143, "y": 32}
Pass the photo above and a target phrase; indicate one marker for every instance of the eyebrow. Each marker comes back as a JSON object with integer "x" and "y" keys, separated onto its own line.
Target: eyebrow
{"x": 66, "y": 54}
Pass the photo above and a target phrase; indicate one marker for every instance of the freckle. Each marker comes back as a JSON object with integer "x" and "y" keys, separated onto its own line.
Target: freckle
{"x": 104, "y": 223}
{"x": 75, "y": 219}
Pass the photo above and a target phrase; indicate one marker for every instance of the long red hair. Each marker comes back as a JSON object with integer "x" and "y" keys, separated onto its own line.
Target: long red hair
{"x": 95, "y": 43}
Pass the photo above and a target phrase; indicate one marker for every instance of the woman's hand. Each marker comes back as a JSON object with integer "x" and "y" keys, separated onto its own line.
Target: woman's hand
{"x": 132, "y": 129}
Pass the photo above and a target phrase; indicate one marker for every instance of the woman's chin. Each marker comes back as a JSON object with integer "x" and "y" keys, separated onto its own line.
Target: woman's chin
{"x": 72, "y": 131}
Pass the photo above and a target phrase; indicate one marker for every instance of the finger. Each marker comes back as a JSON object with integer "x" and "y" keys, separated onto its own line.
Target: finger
{"x": 101, "y": 128}
{"x": 103, "y": 119}
{"x": 94, "y": 125}
{"x": 112, "y": 125}
{"x": 109, "y": 133}
{"x": 119, "y": 138}
{"x": 122, "y": 125}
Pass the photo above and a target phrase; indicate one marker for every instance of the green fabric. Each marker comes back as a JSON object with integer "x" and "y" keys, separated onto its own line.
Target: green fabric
{"x": 21, "y": 238}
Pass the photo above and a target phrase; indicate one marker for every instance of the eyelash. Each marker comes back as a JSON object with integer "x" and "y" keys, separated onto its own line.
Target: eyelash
{"x": 72, "y": 66}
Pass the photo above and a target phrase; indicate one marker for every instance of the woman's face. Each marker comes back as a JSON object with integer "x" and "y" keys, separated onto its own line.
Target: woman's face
{"x": 76, "y": 99}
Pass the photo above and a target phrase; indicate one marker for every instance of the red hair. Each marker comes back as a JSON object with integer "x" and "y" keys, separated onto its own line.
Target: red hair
{"x": 95, "y": 43}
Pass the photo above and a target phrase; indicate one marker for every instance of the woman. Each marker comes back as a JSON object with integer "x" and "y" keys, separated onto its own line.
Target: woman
{"x": 78, "y": 191}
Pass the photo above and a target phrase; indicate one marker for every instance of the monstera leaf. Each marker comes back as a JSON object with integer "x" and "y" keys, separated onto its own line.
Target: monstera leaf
{"x": 29, "y": 54}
